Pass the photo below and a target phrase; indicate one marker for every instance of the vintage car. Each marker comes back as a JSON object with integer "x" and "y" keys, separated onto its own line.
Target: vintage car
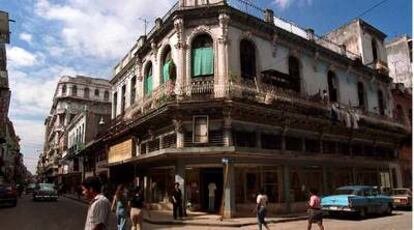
{"x": 8, "y": 194}
{"x": 402, "y": 197}
{"x": 360, "y": 200}
{"x": 45, "y": 191}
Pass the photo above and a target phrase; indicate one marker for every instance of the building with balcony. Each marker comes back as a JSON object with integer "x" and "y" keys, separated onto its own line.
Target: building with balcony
{"x": 400, "y": 59}
{"x": 72, "y": 96}
{"x": 215, "y": 95}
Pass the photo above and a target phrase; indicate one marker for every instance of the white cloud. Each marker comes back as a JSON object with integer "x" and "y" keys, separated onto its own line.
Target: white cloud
{"x": 102, "y": 29}
{"x": 284, "y": 4}
{"x": 25, "y": 37}
{"x": 19, "y": 57}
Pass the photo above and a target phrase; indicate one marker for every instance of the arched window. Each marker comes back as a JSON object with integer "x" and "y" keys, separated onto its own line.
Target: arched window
{"x": 332, "y": 87}
{"x": 64, "y": 90}
{"x": 294, "y": 73}
{"x": 399, "y": 113}
{"x": 123, "y": 98}
{"x": 96, "y": 92}
{"x": 133, "y": 89}
{"x": 381, "y": 105}
{"x": 74, "y": 90}
{"x": 148, "y": 79}
{"x": 361, "y": 95}
{"x": 374, "y": 51}
{"x": 168, "y": 66}
{"x": 247, "y": 59}
{"x": 86, "y": 93}
{"x": 202, "y": 56}
{"x": 106, "y": 95}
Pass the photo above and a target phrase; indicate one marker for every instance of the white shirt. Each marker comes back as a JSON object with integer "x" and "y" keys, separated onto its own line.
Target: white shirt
{"x": 262, "y": 200}
{"x": 211, "y": 189}
{"x": 98, "y": 212}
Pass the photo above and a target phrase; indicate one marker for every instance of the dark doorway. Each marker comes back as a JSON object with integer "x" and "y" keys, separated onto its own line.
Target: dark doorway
{"x": 207, "y": 176}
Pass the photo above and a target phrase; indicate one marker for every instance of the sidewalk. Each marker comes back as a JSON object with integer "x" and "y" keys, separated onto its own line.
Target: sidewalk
{"x": 164, "y": 217}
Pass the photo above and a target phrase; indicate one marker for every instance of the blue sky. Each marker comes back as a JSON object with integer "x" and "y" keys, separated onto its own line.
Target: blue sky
{"x": 55, "y": 37}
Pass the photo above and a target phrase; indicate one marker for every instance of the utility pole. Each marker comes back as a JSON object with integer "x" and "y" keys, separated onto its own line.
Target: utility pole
{"x": 145, "y": 24}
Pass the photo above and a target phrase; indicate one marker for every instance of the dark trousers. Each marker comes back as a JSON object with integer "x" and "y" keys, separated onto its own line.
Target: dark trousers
{"x": 177, "y": 208}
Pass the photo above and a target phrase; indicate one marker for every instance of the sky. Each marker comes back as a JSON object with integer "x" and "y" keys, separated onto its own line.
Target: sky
{"x": 51, "y": 38}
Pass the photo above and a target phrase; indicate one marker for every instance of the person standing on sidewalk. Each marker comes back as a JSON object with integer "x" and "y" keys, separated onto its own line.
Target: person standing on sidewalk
{"x": 177, "y": 201}
{"x": 314, "y": 211}
{"x": 261, "y": 202}
{"x": 137, "y": 207}
{"x": 120, "y": 202}
{"x": 99, "y": 207}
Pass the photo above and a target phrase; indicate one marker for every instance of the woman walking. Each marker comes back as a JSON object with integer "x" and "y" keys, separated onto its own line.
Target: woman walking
{"x": 120, "y": 202}
{"x": 137, "y": 206}
{"x": 314, "y": 211}
{"x": 261, "y": 209}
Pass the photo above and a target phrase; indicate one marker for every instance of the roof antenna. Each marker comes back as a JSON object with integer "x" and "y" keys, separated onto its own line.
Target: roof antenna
{"x": 145, "y": 24}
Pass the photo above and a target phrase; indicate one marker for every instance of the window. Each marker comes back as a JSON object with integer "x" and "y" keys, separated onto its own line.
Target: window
{"x": 200, "y": 129}
{"x": 381, "y": 105}
{"x": 329, "y": 147}
{"x": 271, "y": 141}
{"x": 399, "y": 113}
{"x": 168, "y": 67}
{"x": 361, "y": 95}
{"x": 86, "y": 93}
{"x": 74, "y": 90}
{"x": 332, "y": 87}
{"x": 96, "y": 92}
{"x": 148, "y": 79}
{"x": 133, "y": 89}
{"x": 244, "y": 139}
{"x": 374, "y": 51}
{"x": 410, "y": 116}
{"x": 123, "y": 97}
{"x": 294, "y": 73}
{"x": 202, "y": 56}
{"x": 64, "y": 90}
{"x": 294, "y": 144}
{"x": 312, "y": 146}
{"x": 247, "y": 60}
{"x": 106, "y": 96}
{"x": 115, "y": 103}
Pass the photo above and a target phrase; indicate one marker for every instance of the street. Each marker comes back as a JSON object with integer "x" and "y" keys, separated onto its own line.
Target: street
{"x": 67, "y": 214}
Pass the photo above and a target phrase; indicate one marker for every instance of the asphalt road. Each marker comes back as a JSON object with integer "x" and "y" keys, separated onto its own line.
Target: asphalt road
{"x": 66, "y": 214}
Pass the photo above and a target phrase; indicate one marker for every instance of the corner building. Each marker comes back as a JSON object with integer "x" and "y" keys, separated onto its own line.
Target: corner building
{"x": 215, "y": 95}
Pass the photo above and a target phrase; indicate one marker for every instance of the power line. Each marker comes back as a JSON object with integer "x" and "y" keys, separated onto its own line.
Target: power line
{"x": 371, "y": 8}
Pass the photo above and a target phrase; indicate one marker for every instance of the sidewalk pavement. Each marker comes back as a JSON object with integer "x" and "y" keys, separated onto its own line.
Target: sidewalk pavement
{"x": 164, "y": 217}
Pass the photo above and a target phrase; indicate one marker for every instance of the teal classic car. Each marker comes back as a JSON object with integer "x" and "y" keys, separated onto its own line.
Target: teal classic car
{"x": 358, "y": 199}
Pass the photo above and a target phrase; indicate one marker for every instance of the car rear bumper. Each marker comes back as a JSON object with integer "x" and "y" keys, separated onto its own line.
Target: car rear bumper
{"x": 45, "y": 197}
{"x": 339, "y": 209}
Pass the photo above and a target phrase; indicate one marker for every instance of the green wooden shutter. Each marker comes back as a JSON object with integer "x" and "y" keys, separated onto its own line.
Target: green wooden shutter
{"x": 197, "y": 62}
{"x": 166, "y": 71}
{"x": 207, "y": 62}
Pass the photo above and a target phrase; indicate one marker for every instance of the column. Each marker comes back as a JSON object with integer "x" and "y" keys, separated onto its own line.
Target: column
{"x": 181, "y": 48}
{"x": 286, "y": 186}
{"x": 179, "y": 131}
{"x": 228, "y": 137}
{"x": 180, "y": 178}
{"x": 229, "y": 191}
{"x": 325, "y": 180}
{"x": 222, "y": 56}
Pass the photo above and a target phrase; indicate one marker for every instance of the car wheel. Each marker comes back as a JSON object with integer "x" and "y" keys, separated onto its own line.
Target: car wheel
{"x": 388, "y": 211}
{"x": 362, "y": 213}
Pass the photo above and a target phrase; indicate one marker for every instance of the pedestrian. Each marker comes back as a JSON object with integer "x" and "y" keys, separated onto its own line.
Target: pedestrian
{"x": 120, "y": 202}
{"x": 177, "y": 201}
{"x": 211, "y": 196}
{"x": 137, "y": 207}
{"x": 261, "y": 202}
{"x": 314, "y": 211}
{"x": 99, "y": 207}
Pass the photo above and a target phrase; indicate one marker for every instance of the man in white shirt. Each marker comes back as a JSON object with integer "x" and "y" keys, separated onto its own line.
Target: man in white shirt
{"x": 261, "y": 202}
{"x": 99, "y": 207}
{"x": 211, "y": 196}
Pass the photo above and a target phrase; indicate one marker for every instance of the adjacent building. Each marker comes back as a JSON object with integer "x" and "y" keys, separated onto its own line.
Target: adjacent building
{"x": 400, "y": 59}
{"x": 214, "y": 95}
{"x": 73, "y": 96}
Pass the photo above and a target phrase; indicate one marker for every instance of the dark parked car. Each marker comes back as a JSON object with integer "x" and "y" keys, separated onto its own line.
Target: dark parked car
{"x": 45, "y": 191}
{"x": 402, "y": 197}
{"x": 8, "y": 195}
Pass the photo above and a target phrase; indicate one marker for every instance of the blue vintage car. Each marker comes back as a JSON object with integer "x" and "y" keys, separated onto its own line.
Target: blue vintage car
{"x": 361, "y": 200}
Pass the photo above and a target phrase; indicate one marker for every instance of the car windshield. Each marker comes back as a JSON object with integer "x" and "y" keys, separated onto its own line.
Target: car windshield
{"x": 400, "y": 192}
{"x": 48, "y": 187}
{"x": 345, "y": 192}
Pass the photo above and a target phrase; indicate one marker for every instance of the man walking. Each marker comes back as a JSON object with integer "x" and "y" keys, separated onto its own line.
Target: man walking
{"x": 177, "y": 201}
{"x": 99, "y": 206}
